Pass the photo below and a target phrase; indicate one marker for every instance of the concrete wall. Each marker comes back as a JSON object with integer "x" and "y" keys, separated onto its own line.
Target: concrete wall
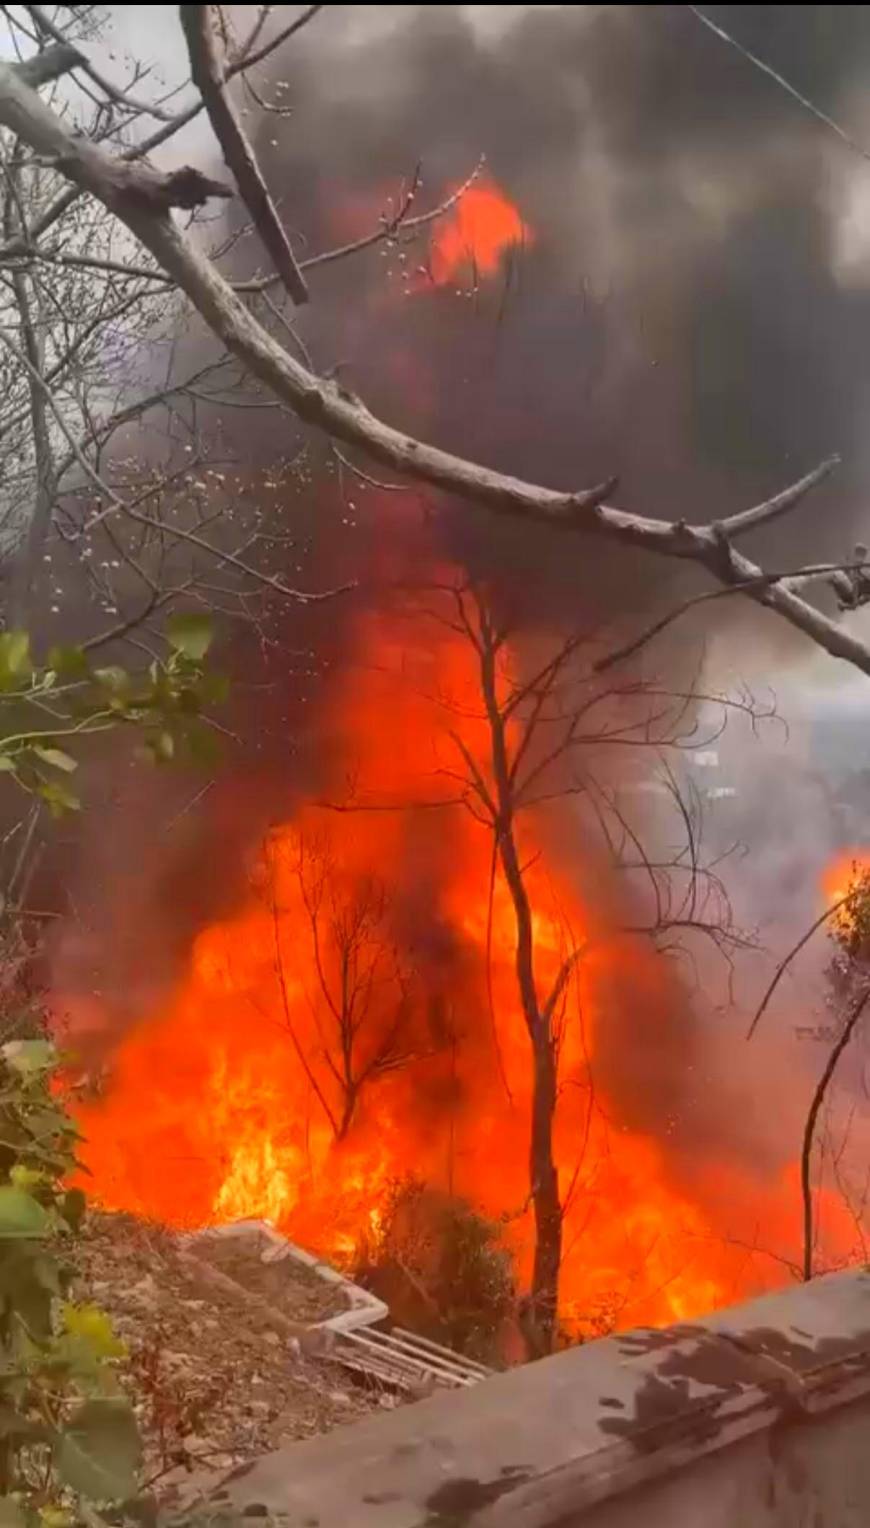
{"x": 757, "y": 1417}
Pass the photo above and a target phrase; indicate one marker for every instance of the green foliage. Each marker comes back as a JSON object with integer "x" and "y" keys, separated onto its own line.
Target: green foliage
{"x": 190, "y": 634}
{"x": 47, "y": 710}
{"x": 66, "y": 1432}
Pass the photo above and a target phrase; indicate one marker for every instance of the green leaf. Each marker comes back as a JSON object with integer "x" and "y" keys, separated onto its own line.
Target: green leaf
{"x": 93, "y": 1329}
{"x": 98, "y": 1452}
{"x": 28, "y": 1178}
{"x": 15, "y": 662}
{"x": 21, "y": 1216}
{"x": 190, "y": 633}
{"x": 58, "y": 1517}
{"x": 30, "y": 1057}
{"x": 59, "y": 800}
{"x": 68, "y": 662}
{"x": 56, "y": 758}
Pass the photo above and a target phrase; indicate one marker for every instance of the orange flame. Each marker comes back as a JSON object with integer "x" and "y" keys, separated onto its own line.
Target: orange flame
{"x": 227, "y": 1103}
{"x": 476, "y": 234}
{"x": 842, "y": 871}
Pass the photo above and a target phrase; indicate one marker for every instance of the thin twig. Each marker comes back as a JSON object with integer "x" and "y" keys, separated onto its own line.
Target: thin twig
{"x": 795, "y": 950}
{"x": 809, "y": 1128}
{"x": 780, "y": 80}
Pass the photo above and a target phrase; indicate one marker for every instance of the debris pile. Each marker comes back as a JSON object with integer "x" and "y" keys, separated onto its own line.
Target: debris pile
{"x": 218, "y": 1374}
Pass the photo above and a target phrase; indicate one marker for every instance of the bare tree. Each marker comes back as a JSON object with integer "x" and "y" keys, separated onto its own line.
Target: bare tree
{"x": 361, "y": 995}
{"x": 117, "y": 477}
{"x": 547, "y": 732}
{"x": 94, "y": 162}
{"x": 847, "y": 923}
{"x": 849, "y": 992}
{"x": 363, "y": 978}
{"x": 551, "y": 729}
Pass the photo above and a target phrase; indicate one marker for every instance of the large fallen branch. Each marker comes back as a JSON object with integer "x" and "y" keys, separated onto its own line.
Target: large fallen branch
{"x": 141, "y": 197}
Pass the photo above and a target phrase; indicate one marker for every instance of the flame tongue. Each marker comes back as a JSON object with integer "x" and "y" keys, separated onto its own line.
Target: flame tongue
{"x": 477, "y": 234}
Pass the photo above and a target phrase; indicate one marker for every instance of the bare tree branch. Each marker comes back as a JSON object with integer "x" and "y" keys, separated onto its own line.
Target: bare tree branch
{"x": 208, "y": 75}
{"x": 793, "y": 952}
{"x": 810, "y": 1126}
{"x": 780, "y": 504}
{"x": 141, "y": 198}
{"x": 120, "y": 97}
{"x": 780, "y": 80}
{"x": 247, "y": 59}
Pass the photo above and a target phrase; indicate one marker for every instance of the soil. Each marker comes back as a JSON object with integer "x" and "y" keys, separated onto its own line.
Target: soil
{"x": 215, "y": 1378}
{"x": 289, "y": 1286}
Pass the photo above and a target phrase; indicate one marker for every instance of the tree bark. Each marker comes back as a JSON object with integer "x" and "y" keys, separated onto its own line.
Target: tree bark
{"x": 543, "y": 1176}
{"x": 347, "y": 1112}
{"x": 208, "y": 75}
{"x": 545, "y": 1192}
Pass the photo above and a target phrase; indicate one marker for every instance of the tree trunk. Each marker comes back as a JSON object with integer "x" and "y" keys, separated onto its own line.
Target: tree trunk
{"x": 543, "y": 1177}
{"x": 347, "y": 1113}
{"x": 544, "y": 1181}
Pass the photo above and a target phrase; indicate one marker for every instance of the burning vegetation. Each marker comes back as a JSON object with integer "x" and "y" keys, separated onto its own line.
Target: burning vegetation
{"x": 417, "y": 981}
{"x": 398, "y": 1046}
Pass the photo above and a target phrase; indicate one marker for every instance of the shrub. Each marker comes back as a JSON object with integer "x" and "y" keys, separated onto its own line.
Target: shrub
{"x": 441, "y": 1268}
{"x": 66, "y": 1432}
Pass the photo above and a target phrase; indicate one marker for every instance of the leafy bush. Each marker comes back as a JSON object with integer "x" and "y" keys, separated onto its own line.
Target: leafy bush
{"x": 441, "y": 1268}
{"x": 68, "y": 1436}
{"x": 47, "y": 710}
{"x": 66, "y": 1431}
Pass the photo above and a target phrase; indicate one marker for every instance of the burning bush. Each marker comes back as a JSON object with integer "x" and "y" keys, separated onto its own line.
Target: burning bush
{"x": 441, "y": 1268}
{"x": 850, "y": 926}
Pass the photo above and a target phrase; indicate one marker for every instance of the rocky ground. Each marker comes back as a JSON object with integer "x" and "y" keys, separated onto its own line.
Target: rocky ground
{"x": 215, "y": 1379}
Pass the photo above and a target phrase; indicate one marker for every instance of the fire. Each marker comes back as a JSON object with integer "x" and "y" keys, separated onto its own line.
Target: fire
{"x": 357, "y": 1017}
{"x": 476, "y": 235}
{"x": 230, "y": 1102}
{"x": 846, "y": 876}
{"x": 840, "y": 875}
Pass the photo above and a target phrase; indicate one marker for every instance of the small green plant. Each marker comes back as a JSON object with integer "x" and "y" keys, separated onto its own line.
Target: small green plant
{"x": 68, "y": 1437}
{"x": 47, "y": 710}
